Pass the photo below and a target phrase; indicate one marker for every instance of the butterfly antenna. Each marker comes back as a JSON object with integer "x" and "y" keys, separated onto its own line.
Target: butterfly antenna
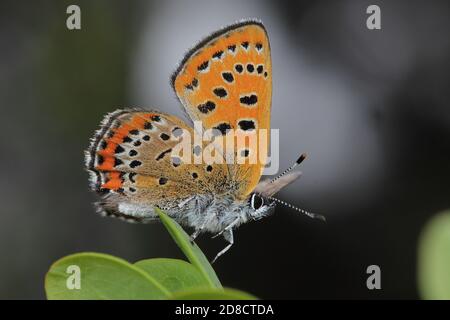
{"x": 309, "y": 214}
{"x": 296, "y": 163}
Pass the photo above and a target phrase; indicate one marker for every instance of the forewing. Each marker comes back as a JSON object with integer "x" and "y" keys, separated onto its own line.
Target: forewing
{"x": 226, "y": 82}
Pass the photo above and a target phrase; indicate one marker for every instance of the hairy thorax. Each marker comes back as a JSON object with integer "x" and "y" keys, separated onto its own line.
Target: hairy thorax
{"x": 212, "y": 212}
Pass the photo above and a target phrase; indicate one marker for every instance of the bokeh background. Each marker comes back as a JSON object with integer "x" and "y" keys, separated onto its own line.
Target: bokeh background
{"x": 371, "y": 108}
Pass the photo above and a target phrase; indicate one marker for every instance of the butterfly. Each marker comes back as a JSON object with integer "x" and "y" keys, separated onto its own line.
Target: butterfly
{"x": 224, "y": 83}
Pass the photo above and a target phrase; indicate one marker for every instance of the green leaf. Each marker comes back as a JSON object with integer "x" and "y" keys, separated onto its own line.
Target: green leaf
{"x": 174, "y": 274}
{"x": 192, "y": 251}
{"x": 434, "y": 258}
{"x": 102, "y": 277}
{"x": 213, "y": 294}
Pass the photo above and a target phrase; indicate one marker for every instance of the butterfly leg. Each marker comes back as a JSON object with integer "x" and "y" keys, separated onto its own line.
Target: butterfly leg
{"x": 197, "y": 231}
{"x": 228, "y": 235}
{"x": 227, "y": 228}
{"x": 195, "y": 234}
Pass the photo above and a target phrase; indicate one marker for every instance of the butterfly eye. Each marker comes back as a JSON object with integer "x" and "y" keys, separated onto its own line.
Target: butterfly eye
{"x": 256, "y": 201}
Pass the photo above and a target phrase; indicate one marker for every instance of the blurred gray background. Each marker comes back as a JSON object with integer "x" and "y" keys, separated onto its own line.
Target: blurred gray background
{"x": 371, "y": 109}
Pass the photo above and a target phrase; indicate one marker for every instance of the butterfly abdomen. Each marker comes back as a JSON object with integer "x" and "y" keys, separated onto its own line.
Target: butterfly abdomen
{"x": 212, "y": 212}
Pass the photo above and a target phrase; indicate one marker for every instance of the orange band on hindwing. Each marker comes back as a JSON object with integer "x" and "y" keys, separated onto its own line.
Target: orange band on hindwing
{"x": 107, "y": 151}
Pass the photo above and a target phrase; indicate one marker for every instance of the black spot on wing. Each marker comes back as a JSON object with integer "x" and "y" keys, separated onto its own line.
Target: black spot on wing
{"x": 260, "y": 68}
{"x": 117, "y": 162}
{"x": 250, "y": 68}
{"x": 203, "y": 66}
{"x": 239, "y": 68}
{"x": 164, "y": 136}
{"x": 228, "y": 77}
{"x": 192, "y": 85}
{"x": 249, "y": 100}
{"x": 156, "y": 118}
{"x": 110, "y": 134}
{"x": 246, "y": 125}
{"x": 103, "y": 144}
{"x": 119, "y": 149}
{"x": 232, "y": 48}
{"x": 162, "y": 181}
{"x": 245, "y": 153}
{"x": 223, "y": 127}
{"x": 135, "y": 163}
{"x": 218, "y": 54}
{"x": 162, "y": 154}
{"x": 220, "y": 92}
{"x": 206, "y": 107}
{"x": 120, "y": 190}
{"x": 132, "y": 153}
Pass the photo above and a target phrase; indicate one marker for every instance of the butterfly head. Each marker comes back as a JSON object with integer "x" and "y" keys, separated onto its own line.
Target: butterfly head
{"x": 259, "y": 206}
{"x": 262, "y": 201}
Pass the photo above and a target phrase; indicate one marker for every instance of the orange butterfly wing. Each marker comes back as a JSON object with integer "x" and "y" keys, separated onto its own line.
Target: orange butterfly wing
{"x": 226, "y": 82}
